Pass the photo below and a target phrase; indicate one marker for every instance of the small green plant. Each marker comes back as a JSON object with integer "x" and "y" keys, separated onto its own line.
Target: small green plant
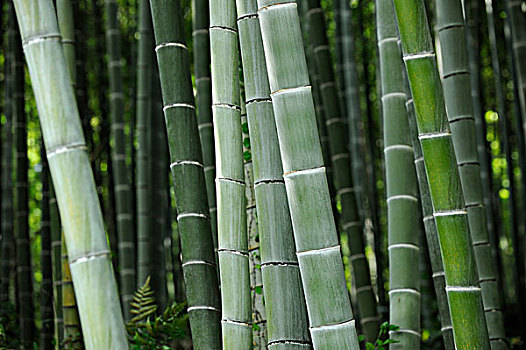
{"x": 9, "y": 336}
{"x": 382, "y": 340}
{"x": 148, "y": 331}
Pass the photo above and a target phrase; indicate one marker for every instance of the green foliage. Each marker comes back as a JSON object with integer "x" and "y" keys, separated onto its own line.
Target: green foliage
{"x": 8, "y": 327}
{"x": 147, "y": 331}
{"x": 382, "y": 340}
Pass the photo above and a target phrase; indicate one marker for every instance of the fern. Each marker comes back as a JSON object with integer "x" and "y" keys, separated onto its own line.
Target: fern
{"x": 143, "y": 304}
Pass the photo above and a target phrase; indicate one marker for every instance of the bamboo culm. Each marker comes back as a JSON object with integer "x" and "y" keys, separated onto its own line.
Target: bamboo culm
{"x": 332, "y": 325}
{"x": 401, "y": 188}
{"x": 284, "y": 301}
{"x": 89, "y": 257}
{"x": 199, "y": 269}
{"x": 462, "y": 287}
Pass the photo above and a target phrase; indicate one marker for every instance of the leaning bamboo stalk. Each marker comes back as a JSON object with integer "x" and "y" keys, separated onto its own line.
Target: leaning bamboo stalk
{"x": 457, "y": 89}
{"x": 24, "y": 274}
{"x": 341, "y": 163}
{"x": 284, "y": 301}
{"x": 121, "y": 178}
{"x": 200, "y": 271}
{"x": 401, "y": 188}
{"x": 203, "y": 102}
{"x": 332, "y": 325}
{"x": 462, "y": 287}
{"x": 89, "y": 256}
{"x": 230, "y": 178}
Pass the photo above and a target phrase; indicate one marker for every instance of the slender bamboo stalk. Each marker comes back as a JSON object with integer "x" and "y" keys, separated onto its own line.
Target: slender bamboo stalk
{"x": 437, "y": 265}
{"x": 56, "y": 247}
{"x": 121, "y": 172}
{"x": 200, "y": 271}
{"x": 462, "y": 288}
{"x": 515, "y": 12}
{"x": 46, "y": 286}
{"x": 89, "y": 257}
{"x": 331, "y": 320}
{"x": 340, "y": 160}
{"x": 457, "y": 89}
{"x": 401, "y": 188}
{"x": 24, "y": 274}
{"x": 284, "y": 301}
{"x": 230, "y": 178}
{"x": 72, "y": 329}
{"x": 203, "y": 102}
{"x": 259, "y": 318}
{"x": 143, "y": 154}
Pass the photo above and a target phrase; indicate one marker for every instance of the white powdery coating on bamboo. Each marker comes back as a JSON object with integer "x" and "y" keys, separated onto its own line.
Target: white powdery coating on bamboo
{"x": 67, "y": 148}
{"x": 172, "y": 44}
{"x": 410, "y": 331}
{"x": 462, "y": 289}
{"x": 239, "y": 323}
{"x": 416, "y": 56}
{"x": 197, "y": 262}
{"x": 186, "y": 162}
{"x": 316, "y": 251}
{"x": 403, "y": 245}
{"x": 386, "y": 40}
{"x": 320, "y": 169}
{"x": 293, "y": 89}
{"x": 41, "y": 38}
{"x": 344, "y": 191}
{"x": 404, "y": 290}
{"x": 450, "y": 212}
{"x": 352, "y": 224}
{"x": 398, "y": 147}
{"x": 91, "y": 256}
{"x": 175, "y": 105}
{"x": 335, "y": 326}
{"x": 209, "y": 308}
{"x": 434, "y": 135}
{"x": 195, "y": 215}
{"x": 438, "y": 274}
{"x": 402, "y": 196}
{"x": 394, "y": 94}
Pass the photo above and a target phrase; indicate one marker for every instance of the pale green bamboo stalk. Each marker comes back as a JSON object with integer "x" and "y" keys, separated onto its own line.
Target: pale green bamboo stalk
{"x": 342, "y": 176}
{"x": 198, "y": 258}
{"x": 259, "y": 318}
{"x": 332, "y": 324}
{"x": 457, "y": 97}
{"x": 284, "y": 301}
{"x": 89, "y": 257}
{"x": 462, "y": 287}
{"x": 401, "y": 187}
{"x": 230, "y": 178}
{"x": 517, "y": 18}
{"x": 121, "y": 172}
{"x": 56, "y": 247}
{"x": 203, "y": 102}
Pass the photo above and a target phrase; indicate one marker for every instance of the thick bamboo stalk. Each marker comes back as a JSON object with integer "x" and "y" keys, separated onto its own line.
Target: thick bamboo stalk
{"x": 230, "y": 178}
{"x": 457, "y": 90}
{"x": 332, "y": 324}
{"x": 24, "y": 274}
{"x": 342, "y": 177}
{"x": 121, "y": 172}
{"x": 200, "y": 271}
{"x": 203, "y": 102}
{"x": 259, "y": 317}
{"x": 284, "y": 301}
{"x": 435, "y": 256}
{"x": 401, "y": 188}
{"x": 46, "y": 286}
{"x": 143, "y": 154}
{"x": 89, "y": 257}
{"x": 462, "y": 287}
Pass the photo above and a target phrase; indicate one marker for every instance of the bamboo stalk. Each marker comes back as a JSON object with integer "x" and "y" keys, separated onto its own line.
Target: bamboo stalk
{"x": 515, "y": 12}
{"x": 89, "y": 258}
{"x": 462, "y": 288}
{"x": 332, "y": 325}
{"x": 284, "y": 301}
{"x": 56, "y": 258}
{"x": 342, "y": 177}
{"x": 200, "y": 271}
{"x": 72, "y": 329}
{"x": 401, "y": 188}
{"x": 457, "y": 89}
{"x": 121, "y": 178}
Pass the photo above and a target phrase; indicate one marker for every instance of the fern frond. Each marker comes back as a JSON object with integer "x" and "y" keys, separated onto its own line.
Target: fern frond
{"x": 143, "y": 304}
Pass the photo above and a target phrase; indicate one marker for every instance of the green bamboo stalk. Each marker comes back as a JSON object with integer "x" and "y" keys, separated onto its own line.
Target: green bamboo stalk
{"x": 331, "y": 320}
{"x": 89, "y": 258}
{"x": 143, "y": 154}
{"x": 457, "y": 97}
{"x": 437, "y": 265}
{"x": 121, "y": 177}
{"x": 46, "y": 286}
{"x": 462, "y": 288}
{"x": 340, "y": 160}
{"x": 515, "y": 12}
{"x": 200, "y": 271}
{"x": 259, "y": 318}
{"x": 230, "y": 178}
{"x": 284, "y": 301}
{"x": 24, "y": 274}
{"x": 401, "y": 188}
{"x": 56, "y": 259}
{"x": 72, "y": 329}
{"x": 203, "y": 102}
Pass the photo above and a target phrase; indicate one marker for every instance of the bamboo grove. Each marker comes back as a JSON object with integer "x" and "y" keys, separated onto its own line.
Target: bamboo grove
{"x": 263, "y": 174}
